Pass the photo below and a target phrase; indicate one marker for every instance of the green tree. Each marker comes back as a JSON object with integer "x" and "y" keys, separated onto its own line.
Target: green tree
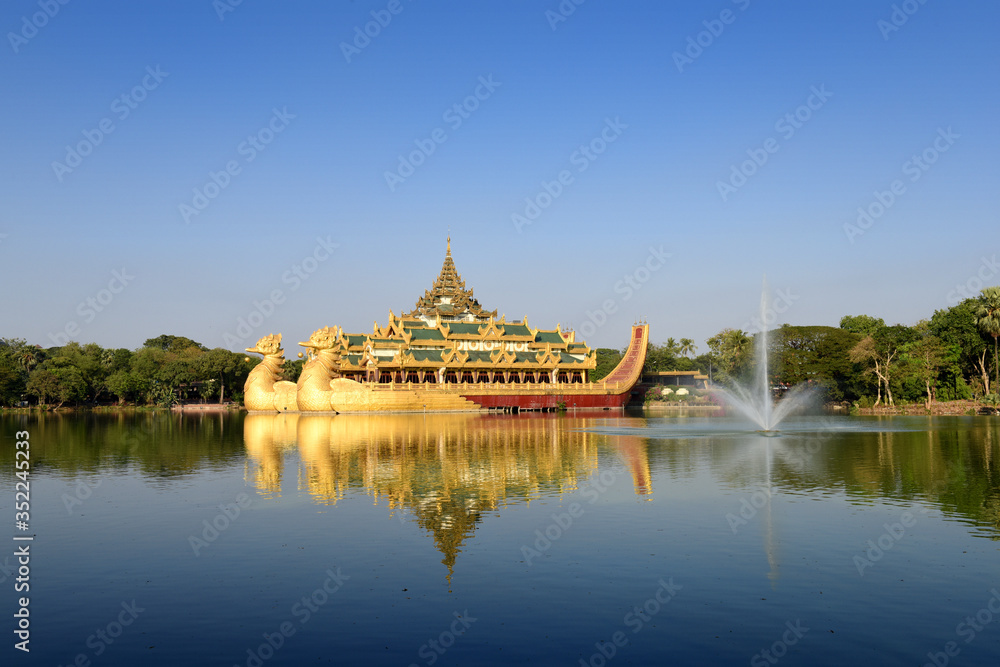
{"x": 169, "y": 372}
{"x": 732, "y": 352}
{"x": 660, "y": 357}
{"x": 879, "y": 352}
{"x": 670, "y": 357}
{"x": 222, "y": 365}
{"x": 924, "y": 357}
{"x": 147, "y": 361}
{"x": 865, "y": 325}
{"x": 162, "y": 395}
{"x": 27, "y": 358}
{"x": 607, "y": 359}
{"x": 180, "y": 370}
{"x": 89, "y": 360}
{"x": 957, "y": 329}
{"x": 13, "y": 381}
{"x": 988, "y": 321}
{"x": 169, "y": 343}
{"x": 44, "y": 384}
{"x": 815, "y": 354}
{"x": 118, "y": 359}
{"x": 866, "y": 354}
{"x": 17, "y": 359}
{"x": 292, "y": 369}
{"x": 62, "y": 384}
{"x": 704, "y": 363}
{"x": 128, "y": 385}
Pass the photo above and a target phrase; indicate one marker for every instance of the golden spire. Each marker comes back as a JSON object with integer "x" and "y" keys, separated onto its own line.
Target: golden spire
{"x": 448, "y": 298}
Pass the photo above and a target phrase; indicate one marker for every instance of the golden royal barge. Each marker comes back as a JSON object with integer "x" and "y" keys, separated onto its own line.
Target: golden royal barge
{"x": 447, "y": 354}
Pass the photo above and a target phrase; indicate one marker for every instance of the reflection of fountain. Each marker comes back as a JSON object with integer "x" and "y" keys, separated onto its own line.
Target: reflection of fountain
{"x": 756, "y": 401}
{"x": 770, "y": 536}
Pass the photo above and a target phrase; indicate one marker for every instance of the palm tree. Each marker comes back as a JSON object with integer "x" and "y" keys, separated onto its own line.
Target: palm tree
{"x": 729, "y": 351}
{"x": 26, "y": 359}
{"x": 671, "y": 346}
{"x": 687, "y": 347}
{"x": 988, "y": 320}
{"x": 740, "y": 343}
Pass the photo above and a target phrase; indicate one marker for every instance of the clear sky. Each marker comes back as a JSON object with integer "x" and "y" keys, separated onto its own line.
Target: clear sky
{"x": 172, "y": 166}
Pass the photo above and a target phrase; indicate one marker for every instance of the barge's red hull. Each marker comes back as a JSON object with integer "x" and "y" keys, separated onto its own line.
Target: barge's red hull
{"x": 550, "y": 401}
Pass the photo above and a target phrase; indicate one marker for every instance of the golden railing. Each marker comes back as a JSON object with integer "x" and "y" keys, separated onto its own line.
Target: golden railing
{"x": 506, "y": 389}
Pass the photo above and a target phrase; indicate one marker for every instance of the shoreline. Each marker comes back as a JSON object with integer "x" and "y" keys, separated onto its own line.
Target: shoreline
{"x": 676, "y": 407}
{"x": 937, "y": 408}
{"x": 188, "y": 407}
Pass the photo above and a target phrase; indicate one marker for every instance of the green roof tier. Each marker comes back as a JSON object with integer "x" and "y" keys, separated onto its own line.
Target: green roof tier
{"x": 516, "y": 330}
{"x": 426, "y": 355}
{"x": 425, "y": 334}
{"x": 549, "y": 337}
{"x": 464, "y": 328}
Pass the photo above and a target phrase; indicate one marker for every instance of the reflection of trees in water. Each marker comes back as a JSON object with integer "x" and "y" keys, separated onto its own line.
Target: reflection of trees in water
{"x": 158, "y": 444}
{"x": 951, "y": 468}
{"x": 950, "y": 464}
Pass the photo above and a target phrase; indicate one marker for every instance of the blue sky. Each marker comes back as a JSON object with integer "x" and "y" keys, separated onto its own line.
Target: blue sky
{"x": 249, "y": 157}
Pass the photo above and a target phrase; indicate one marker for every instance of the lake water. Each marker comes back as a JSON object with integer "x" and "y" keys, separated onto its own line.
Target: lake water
{"x": 162, "y": 539}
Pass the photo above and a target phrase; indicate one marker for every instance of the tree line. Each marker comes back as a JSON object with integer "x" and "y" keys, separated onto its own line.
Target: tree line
{"x": 951, "y": 356}
{"x": 954, "y": 355}
{"x": 165, "y": 370}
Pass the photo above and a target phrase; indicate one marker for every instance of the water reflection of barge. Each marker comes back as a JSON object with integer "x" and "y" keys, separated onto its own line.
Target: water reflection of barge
{"x": 445, "y": 472}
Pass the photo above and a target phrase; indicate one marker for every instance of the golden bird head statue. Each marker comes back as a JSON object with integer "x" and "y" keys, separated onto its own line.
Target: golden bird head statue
{"x": 269, "y": 346}
{"x": 323, "y": 339}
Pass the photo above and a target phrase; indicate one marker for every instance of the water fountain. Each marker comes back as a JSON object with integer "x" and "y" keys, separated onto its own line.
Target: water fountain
{"x": 756, "y": 401}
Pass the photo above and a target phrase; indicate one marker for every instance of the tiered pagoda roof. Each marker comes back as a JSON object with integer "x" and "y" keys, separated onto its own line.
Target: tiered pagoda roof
{"x": 448, "y": 300}
{"x": 449, "y": 331}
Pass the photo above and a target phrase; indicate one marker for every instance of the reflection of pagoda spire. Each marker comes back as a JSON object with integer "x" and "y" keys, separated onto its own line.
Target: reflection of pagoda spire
{"x": 446, "y": 471}
{"x": 450, "y": 521}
